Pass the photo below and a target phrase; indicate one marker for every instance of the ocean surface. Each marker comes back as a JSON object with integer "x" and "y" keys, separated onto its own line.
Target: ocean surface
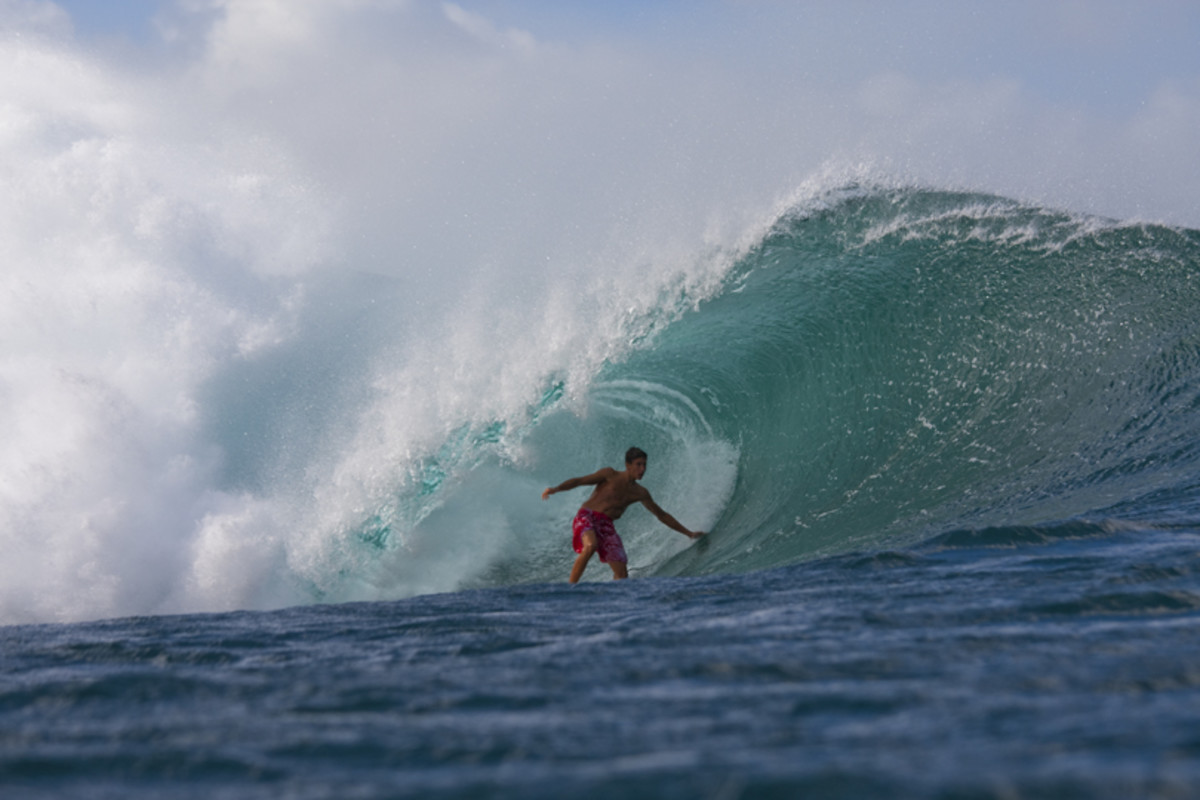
{"x": 946, "y": 446}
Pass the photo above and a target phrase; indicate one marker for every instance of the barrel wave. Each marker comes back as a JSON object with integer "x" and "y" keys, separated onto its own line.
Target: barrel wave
{"x": 889, "y": 366}
{"x": 876, "y": 367}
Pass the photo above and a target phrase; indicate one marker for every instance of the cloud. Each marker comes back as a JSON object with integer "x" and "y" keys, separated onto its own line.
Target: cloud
{"x": 482, "y": 29}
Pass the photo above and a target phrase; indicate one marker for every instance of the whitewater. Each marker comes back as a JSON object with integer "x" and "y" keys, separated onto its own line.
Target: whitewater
{"x": 285, "y": 367}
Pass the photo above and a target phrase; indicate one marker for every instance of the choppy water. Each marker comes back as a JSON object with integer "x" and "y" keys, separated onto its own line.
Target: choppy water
{"x": 1025, "y": 662}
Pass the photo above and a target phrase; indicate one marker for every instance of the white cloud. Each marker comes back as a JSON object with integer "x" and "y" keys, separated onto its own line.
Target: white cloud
{"x": 483, "y": 30}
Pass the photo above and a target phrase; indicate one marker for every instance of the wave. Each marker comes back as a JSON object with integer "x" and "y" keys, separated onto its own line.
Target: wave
{"x": 904, "y": 363}
{"x": 878, "y": 367}
{"x": 881, "y": 368}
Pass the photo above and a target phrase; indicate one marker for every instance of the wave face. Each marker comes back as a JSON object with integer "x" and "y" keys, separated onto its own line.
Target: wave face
{"x": 882, "y": 367}
{"x": 879, "y": 366}
{"x": 898, "y": 364}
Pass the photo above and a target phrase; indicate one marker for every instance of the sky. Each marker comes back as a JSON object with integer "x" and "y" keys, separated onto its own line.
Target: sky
{"x": 1088, "y": 105}
{"x": 1104, "y": 54}
{"x": 1101, "y": 54}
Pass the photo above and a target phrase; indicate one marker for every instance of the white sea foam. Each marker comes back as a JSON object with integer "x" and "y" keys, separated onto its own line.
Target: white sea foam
{"x": 131, "y": 272}
{"x": 182, "y": 431}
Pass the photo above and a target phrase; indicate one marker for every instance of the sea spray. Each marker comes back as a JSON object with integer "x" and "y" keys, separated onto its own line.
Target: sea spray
{"x": 131, "y": 272}
{"x": 227, "y": 383}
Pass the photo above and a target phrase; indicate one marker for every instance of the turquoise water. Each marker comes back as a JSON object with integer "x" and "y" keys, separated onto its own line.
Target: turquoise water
{"x": 1052, "y": 662}
{"x": 877, "y": 369}
{"x": 905, "y": 363}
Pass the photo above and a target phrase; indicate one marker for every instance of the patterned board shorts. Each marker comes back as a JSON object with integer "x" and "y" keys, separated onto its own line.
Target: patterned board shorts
{"x": 609, "y": 544}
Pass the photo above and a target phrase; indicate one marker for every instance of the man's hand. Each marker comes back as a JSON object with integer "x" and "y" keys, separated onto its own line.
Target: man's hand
{"x": 546, "y": 494}
{"x": 695, "y": 534}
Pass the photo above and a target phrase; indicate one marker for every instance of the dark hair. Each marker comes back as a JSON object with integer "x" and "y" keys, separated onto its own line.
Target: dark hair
{"x": 633, "y": 454}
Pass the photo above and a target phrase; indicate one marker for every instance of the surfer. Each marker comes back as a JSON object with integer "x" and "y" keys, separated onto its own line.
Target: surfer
{"x": 593, "y": 530}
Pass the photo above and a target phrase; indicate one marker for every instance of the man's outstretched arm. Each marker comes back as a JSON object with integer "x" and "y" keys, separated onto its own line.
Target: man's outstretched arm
{"x": 667, "y": 519}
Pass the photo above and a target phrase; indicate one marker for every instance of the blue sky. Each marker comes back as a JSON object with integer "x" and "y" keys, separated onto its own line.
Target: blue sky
{"x": 130, "y": 18}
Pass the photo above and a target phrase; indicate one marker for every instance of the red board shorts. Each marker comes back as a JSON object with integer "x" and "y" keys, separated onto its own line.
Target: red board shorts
{"x": 608, "y": 543}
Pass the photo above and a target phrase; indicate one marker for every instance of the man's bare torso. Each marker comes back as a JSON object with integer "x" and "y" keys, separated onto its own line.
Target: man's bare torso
{"x": 617, "y": 492}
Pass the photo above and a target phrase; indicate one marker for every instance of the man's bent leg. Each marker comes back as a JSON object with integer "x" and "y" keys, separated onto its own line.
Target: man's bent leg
{"x": 620, "y": 570}
{"x": 590, "y": 541}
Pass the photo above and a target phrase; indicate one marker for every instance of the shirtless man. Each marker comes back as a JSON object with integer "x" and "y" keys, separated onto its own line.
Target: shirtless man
{"x": 593, "y": 526}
